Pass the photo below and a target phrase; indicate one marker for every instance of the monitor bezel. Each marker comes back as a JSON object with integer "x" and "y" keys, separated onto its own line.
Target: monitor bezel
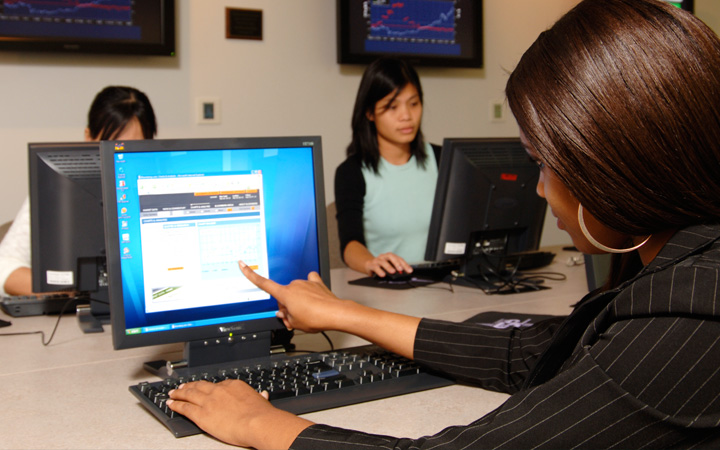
{"x": 122, "y": 340}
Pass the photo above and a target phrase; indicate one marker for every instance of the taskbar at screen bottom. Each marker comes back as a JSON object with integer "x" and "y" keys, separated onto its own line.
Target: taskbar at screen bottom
{"x": 200, "y": 323}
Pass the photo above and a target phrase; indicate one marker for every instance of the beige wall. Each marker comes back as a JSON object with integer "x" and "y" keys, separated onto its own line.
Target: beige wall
{"x": 289, "y": 83}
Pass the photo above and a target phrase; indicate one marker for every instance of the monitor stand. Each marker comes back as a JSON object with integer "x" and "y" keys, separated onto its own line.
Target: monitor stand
{"x": 213, "y": 351}
{"x": 90, "y": 322}
{"x": 92, "y": 316}
{"x": 93, "y": 284}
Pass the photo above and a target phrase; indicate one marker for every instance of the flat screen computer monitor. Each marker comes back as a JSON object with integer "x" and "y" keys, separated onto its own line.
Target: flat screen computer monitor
{"x": 66, "y": 224}
{"x": 179, "y": 216}
{"x": 486, "y": 206}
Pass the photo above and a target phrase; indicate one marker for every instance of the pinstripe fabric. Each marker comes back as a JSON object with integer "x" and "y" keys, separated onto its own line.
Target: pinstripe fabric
{"x": 637, "y": 367}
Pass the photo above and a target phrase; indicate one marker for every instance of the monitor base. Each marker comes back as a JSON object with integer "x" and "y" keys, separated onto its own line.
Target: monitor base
{"x": 279, "y": 341}
{"x": 89, "y": 322}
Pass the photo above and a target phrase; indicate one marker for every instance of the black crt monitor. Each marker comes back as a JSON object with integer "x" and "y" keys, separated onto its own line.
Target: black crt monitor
{"x": 486, "y": 208}
{"x": 67, "y": 232}
{"x": 179, "y": 216}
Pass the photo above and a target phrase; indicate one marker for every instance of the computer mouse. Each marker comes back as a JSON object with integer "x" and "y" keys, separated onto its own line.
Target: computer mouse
{"x": 397, "y": 276}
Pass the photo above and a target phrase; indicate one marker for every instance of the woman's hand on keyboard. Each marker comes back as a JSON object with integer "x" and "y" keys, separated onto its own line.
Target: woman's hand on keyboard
{"x": 235, "y": 413}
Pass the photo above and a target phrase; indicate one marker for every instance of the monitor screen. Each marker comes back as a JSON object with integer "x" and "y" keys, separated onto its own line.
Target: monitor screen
{"x": 424, "y": 32}
{"x": 486, "y": 206}
{"x": 66, "y": 221}
{"x": 90, "y": 26}
{"x": 179, "y": 216}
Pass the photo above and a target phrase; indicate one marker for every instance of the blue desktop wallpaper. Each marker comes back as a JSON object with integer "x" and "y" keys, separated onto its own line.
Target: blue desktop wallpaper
{"x": 290, "y": 205}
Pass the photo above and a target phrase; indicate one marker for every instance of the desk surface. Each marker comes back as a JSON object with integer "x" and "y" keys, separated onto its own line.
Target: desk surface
{"x": 74, "y": 392}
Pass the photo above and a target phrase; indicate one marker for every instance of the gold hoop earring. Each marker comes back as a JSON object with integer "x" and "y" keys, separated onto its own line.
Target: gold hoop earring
{"x": 597, "y": 244}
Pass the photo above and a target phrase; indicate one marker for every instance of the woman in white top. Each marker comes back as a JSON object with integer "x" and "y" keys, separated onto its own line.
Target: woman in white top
{"x": 117, "y": 112}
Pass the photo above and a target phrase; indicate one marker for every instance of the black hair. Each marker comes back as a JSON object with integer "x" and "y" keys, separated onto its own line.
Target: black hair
{"x": 381, "y": 78}
{"x": 621, "y": 100}
{"x": 114, "y": 107}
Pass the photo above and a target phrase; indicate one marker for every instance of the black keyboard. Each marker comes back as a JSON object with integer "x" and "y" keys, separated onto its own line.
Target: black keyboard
{"x": 436, "y": 271}
{"x": 301, "y": 384}
{"x": 450, "y": 264}
{"x": 440, "y": 269}
{"x": 37, "y": 305}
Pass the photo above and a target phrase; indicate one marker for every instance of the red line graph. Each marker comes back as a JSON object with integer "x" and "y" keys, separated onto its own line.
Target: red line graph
{"x": 424, "y": 20}
{"x": 66, "y": 4}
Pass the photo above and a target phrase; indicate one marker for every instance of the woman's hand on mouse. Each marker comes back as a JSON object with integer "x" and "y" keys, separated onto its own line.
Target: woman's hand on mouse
{"x": 387, "y": 263}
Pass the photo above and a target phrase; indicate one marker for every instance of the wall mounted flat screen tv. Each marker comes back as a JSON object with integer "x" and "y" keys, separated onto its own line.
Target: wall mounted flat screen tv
{"x": 424, "y": 32}
{"x": 136, "y": 27}
{"x": 687, "y": 5}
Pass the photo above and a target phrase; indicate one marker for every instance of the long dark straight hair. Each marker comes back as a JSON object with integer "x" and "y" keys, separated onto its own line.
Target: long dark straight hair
{"x": 381, "y": 78}
{"x": 621, "y": 100}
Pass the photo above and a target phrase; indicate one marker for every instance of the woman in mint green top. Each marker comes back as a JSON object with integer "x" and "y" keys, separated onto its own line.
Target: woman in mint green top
{"x": 384, "y": 190}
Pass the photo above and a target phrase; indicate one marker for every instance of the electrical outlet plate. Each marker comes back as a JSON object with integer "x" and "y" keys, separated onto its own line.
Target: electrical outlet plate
{"x": 208, "y": 110}
{"x": 497, "y": 111}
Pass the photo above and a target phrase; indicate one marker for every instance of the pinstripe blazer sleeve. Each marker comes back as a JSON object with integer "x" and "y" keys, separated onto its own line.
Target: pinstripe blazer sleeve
{"x": 643, "y": 371}
{"x": 495, "y": 359}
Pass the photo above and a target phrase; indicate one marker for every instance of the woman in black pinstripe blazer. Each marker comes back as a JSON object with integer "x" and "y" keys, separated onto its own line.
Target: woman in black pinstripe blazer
{"x": 619, "y": 102}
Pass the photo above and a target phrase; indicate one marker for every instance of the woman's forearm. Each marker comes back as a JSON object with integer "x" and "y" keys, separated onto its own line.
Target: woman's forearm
{"x": 356, "y": 257}
{"x": 19, "y": 282}
{"x": 394, "y": 332}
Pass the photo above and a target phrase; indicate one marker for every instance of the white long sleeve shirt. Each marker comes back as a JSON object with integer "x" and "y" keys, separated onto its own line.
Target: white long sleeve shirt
{"x": 15, "y": 246}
